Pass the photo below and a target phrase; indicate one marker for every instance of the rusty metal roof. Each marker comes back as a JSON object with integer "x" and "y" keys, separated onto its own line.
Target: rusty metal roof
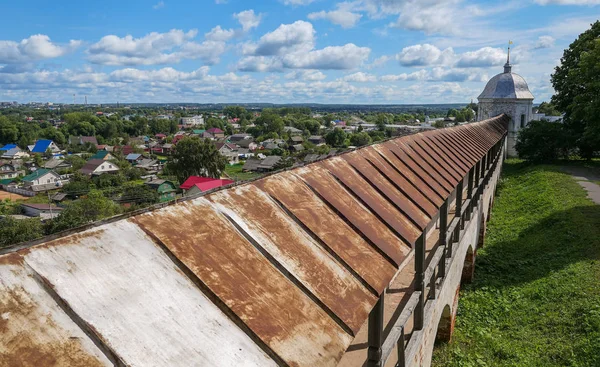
{"x": 282, "y": 270}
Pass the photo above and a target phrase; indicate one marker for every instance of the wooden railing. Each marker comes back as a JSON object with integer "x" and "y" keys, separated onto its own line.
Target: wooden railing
{"x": 427, "y": 277}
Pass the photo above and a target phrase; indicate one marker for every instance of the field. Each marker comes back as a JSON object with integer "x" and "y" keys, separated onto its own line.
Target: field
{"x": 13, "y": 197}
{"x": 535, "y": 300}
{"x": 235, "y": 172}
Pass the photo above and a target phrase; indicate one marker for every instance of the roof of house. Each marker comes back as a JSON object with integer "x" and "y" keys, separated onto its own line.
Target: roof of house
{"x": 53, "y": 163}
{"x": 41, "y": 146}
{"x": 133, "y": 156}
{"x": 270, "y": 146}
{"x": 198, "y": 131}
{"x": 42, "y": 206}
{"x": 59, "y": 196}
{"x": 12, "y": 152}
{"x": 156, "y": 183}
{"x": 270, "y": 162}
{"x": 251, "y": 164}
{"x": 215, "y": 130}
{"x": 298, "y": 139}
{"x": 8, "y": 147}
{"x": 311, "y": 158}
{"x": 37, "y": 174}
{"x": 315, "y": 137}
{"x": 101, "y": 154}
{"x": 89, "y": 139}
{"x": 160, "y": 135}
{"x": 298, "y": 147}
{"x": 198, "y": 180}
{"x": 91, "y": 166}
{"x": 209, "y": 185}
{"x": 291, "y": 129}
{"x": 245, "y": 143}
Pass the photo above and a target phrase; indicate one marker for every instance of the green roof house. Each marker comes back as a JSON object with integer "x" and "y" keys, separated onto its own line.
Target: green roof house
{"x": 166, "y": 189}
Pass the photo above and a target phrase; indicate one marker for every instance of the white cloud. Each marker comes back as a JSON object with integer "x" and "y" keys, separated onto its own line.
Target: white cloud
{"x": 484, "y": 57}
{"x": 159, "y": 5}
{"x": 344, "y": 57}
{"x": 158, "y": 48}
{"x": 308, "y": 75}
{"x": 424, "y": 55}
{"x": 297, "y": 2}
{"x": 259, "y": 64}
{"x": 36, "y": 47}
{"x": 248, "y": 19}
{"x": 295, "y": 37}
{"x": 544, "y": 42}
{"x": 360, "y": 77}
{"x": 343, "y": 18}
{"x": 219, "y": 34}
{"x": 417, "y": 75}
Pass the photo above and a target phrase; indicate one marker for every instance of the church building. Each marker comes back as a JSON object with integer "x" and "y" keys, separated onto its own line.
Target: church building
{"x": 507, "y": 93}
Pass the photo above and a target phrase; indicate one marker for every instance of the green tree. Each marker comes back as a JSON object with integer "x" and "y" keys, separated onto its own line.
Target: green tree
{"x": 543, "y": 141}
{"x": 269, "y": 122}
{"x": 196, "y": 157}
{"x": 575, "y": 81}
{"x": 9, "y": 132}
{"x": 548, "y": 109}
{"x": 139, "y": 194}
{"x": 13, "y": 231}
{"x": 83, "y": 211}
{"x": 360, "y": 139}
{"x": 335, "y": 137}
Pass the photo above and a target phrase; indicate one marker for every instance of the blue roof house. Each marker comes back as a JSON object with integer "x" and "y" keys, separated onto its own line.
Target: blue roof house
{"x": 42, "y": 145}
{"x": 8, "y": 147}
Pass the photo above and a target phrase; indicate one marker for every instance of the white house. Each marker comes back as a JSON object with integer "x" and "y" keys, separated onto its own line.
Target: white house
{"x": 98, "y": 167}
{"x": 194, "y": 120}
{"x": 42, "y": 180}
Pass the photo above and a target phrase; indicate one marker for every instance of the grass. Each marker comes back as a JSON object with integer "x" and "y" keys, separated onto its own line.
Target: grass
{"x": 235, "y": 172}
{"x": 535, "y": 300}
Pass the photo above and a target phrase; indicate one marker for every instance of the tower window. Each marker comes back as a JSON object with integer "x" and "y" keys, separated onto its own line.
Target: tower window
{"x": 522, "y": 121}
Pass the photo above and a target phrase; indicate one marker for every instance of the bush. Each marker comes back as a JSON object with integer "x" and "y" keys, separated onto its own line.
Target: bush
{"x": 543, "y": 141}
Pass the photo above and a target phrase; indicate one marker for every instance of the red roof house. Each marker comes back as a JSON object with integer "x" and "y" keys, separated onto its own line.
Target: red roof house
{"x": 204, "y": 183}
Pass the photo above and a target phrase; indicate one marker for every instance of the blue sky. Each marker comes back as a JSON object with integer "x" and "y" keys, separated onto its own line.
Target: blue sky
{"x": 281, "y": 51}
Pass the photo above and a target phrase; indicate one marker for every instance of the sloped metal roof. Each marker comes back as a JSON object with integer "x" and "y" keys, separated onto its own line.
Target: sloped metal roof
{"x": 506, "y": 86}
{"x": 282, "y": 270}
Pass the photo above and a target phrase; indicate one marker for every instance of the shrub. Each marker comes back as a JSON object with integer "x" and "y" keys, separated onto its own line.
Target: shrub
{"x": 543, "y": 141}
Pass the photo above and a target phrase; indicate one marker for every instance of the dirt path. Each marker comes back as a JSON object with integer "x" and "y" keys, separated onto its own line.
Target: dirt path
{"x": 11, "y": 196}
{"x": 587, "y": 178}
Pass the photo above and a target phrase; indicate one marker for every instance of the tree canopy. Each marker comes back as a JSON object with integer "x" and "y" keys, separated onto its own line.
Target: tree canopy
{"x": 196, "y": 157}
{"x": 577, "y": 88}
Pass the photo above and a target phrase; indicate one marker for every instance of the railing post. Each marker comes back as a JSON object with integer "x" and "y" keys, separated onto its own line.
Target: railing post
{"x": 376, "y": 333}
{"x": 458, "y": 212}
{"x": 420, "y": 281}
{"x": 401, "y": 354}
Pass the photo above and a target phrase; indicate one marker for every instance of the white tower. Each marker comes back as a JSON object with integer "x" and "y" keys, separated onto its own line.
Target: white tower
{"x": 507, "y": 93}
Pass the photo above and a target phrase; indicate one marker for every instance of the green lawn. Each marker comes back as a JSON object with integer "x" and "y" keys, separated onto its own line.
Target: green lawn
{"x": 235, "y": 172}
{"x": 535, "y": 300}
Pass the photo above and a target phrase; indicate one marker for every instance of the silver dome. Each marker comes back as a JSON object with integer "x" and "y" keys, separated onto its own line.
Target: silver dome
{"x": 506, "y": 85}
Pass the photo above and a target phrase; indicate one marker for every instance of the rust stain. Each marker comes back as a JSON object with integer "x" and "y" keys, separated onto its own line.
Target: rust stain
{"x": 29, "y": 336}
{"x": 368, "y": 224}
{"x": 418, "y": 166}
{"x": 405, "y": 171}
{"x": 330, "y": 228}
{"x": 416, "y": 214}
{"x": 340, "y": 168}
{"x": 271, "y": 305}
{"x": 447, "y": 171}
{"x": 452, "y": 160}
{"x": 398, "y": 180}
{"x": 299, "y": 253}
{"x": 70, "y": 240}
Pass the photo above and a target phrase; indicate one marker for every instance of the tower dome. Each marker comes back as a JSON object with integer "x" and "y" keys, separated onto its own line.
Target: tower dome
{"x": 507, "y": 93}
{"x": 506, "y": 85}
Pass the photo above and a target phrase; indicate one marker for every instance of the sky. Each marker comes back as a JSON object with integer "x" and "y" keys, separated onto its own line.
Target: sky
{"x": 280, "y": 51}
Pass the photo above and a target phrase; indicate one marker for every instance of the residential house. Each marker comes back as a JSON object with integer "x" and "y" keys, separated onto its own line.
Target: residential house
{"x": 82, "y": 140}
{"x": 292, "y": 130}
{"x": 104, "y": 155}
{"x": 45, "y": 211}
{"x": 124, "y": 149}
{"x": 251, "y": 165}
{"x": 192, "y": 121}
{"x": 166, "y": 189}
{"x": 42, "y": 145}
{"x": 216, "y": 132}
{"x": 247, "y": 144}
{"x": 196, "y": 184}
{"x": 57, "y": 164}
{"x": 177, "y": 138}
{"x": 160, "y": 136}
{"x": 167, "y": 148}
{"x": 297, "y": 148}
{"x": 296, "y": 139}
{"x": 237, "y": 137}
{"x": 207, "y": 135}
{"x": 133, "y": 157}
{"x": 14, "y": 153}
{"x": 42, "y": 180}
{"x": 311, "y": 158}
{"x": 98, "y": 167}
{"x": 8, "y": 170}
{"x": 229, "y": 151}
{"x": 316, "y": 139}
{"x": 269, "y": 163}
{"x": 8, "y": 147}
{"x": 198, "y": 131}
{"x": 149, "y": 165}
